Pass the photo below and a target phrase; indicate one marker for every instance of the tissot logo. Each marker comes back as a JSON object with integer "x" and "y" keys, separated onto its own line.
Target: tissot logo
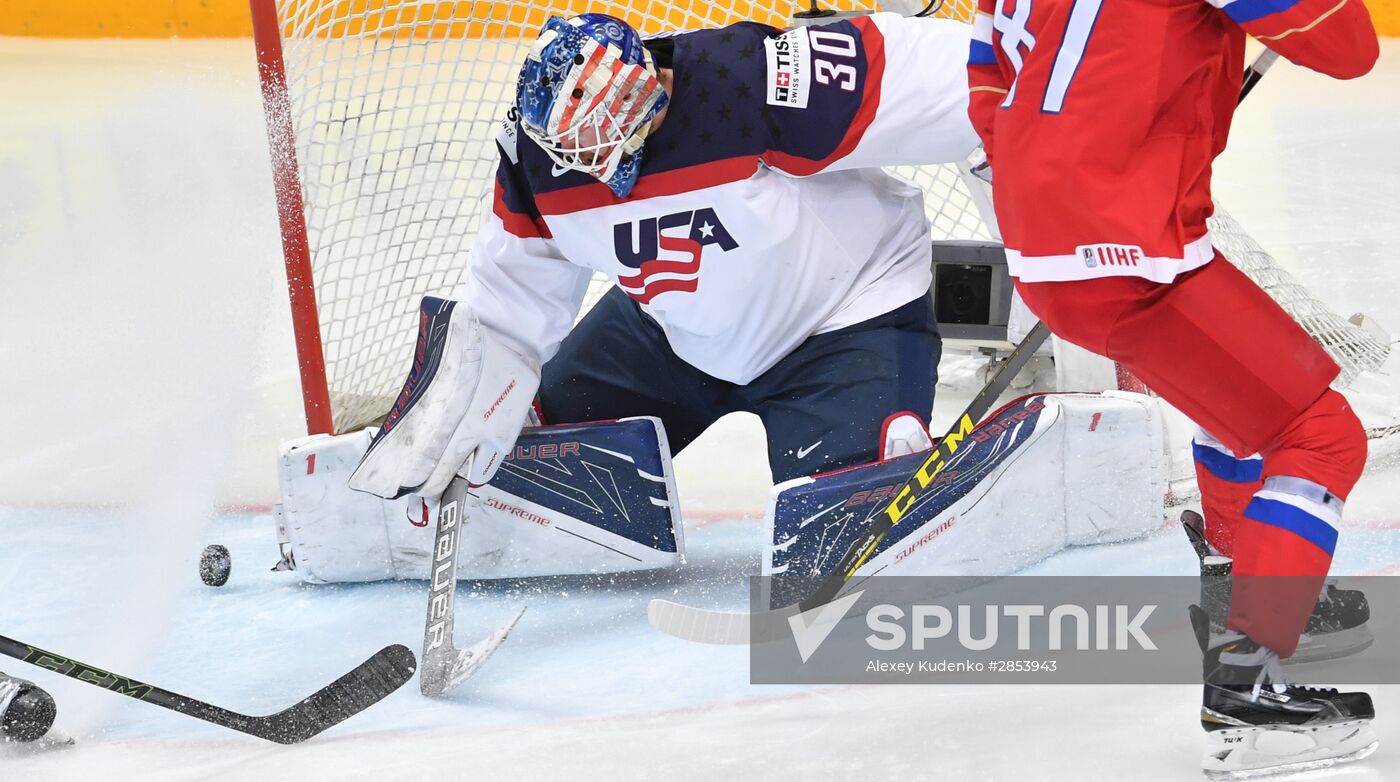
{"x": 789, "y": 62}
{"x": 666, "y": 251}
{"x": 782, "y": 77}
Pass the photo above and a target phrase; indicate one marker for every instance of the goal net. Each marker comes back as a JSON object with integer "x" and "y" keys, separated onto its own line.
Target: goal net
{"x": 381, "y": 117}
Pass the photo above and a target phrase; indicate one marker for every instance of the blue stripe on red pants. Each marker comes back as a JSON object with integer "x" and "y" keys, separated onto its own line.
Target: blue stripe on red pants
{"x": 1227, "y": 485}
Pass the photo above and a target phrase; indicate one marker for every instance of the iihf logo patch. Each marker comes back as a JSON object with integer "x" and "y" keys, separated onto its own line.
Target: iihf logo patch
{"x": 682, "y": 237}
{"x": 1096, "y": 255}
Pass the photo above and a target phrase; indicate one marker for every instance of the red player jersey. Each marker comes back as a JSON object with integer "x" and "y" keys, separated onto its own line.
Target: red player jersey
{"x": 1101, "y": 119}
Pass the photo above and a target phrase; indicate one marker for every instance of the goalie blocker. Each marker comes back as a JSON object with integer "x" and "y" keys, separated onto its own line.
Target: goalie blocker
{"x": 584, "y": 498}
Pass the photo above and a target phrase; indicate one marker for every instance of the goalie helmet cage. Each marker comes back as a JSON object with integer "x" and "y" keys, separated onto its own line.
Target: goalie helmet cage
{"x": 381, "y": 119}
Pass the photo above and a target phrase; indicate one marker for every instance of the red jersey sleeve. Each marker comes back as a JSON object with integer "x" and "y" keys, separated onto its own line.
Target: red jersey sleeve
{"x": 986, "y": 82}
{"x": 1334, "y": 37}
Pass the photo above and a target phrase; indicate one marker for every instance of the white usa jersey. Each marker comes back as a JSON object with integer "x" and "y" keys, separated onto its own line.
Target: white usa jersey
{"x": 761, "y": 216}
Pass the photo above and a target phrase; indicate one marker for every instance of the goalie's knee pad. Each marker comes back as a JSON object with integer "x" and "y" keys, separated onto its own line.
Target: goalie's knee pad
{"x": 903, "y": 434}
{"x": 1043, "y": 473}
{"x": 583, "y": 498}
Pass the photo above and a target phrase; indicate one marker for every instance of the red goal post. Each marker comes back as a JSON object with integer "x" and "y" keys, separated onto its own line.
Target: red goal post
{"x": 291, "y": 218}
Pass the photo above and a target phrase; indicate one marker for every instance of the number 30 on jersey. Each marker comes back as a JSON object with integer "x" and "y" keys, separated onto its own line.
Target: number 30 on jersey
{"x": 835, "y": 46}
{"x": 801, "y": 57}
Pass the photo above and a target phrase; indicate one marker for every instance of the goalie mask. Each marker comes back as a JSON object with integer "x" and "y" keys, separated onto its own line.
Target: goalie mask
{"x": 587, "y": 95}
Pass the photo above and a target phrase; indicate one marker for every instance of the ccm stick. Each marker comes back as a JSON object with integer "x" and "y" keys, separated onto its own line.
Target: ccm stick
{"x": 444, "y": 665}
{"x": 366, "y": 685}
{"x": 733, "y": 627}
{"x": 738, "y": 627}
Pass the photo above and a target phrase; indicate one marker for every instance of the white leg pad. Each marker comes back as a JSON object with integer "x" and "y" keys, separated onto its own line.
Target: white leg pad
{"x": 560, "y": 505}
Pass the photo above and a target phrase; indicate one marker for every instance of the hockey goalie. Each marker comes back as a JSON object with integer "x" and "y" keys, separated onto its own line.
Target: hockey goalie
{"x": 764, "y": 263}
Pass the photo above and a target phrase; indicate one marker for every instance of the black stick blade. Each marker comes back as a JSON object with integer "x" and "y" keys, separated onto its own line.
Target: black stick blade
{"x": 372, "y": 681}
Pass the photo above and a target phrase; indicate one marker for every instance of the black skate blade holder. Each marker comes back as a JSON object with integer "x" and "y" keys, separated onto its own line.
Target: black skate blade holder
{"x": 1215, "y": 575}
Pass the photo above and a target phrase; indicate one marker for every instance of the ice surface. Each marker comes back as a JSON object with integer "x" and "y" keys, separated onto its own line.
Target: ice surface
{"x": 147, "y": 369}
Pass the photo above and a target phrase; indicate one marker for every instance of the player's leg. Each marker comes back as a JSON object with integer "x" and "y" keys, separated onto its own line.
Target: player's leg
{"x": 1312, "y": 444}
{"x": 616, "y": 363}
{"x": 826, "y": 404}
{"x": 1224, "y": 353}
{"x": 1228, "y": 482}
{"x": 1217, "y": 347}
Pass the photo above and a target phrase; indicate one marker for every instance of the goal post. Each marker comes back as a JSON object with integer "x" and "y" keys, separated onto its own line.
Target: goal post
{"x": 291, "y": 210}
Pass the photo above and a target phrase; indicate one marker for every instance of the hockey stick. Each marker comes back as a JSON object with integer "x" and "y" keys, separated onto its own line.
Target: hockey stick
{"x": 366, "y": 685}
{"x": 731, "y": 627}
{"x": 737, "y": 627}
{"x": 1256, "y": 71}
{"x": 444, "y": 665}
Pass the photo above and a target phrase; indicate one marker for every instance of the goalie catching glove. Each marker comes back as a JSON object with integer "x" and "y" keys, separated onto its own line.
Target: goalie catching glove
{"x": 466, "y": 398}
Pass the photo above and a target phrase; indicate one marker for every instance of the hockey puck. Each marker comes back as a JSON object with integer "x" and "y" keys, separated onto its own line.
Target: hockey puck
{"x": 214, "y": 565}
{"x": 28, "y": 716}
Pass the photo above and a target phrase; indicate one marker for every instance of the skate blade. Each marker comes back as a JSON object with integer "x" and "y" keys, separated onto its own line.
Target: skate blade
{"x": 1330, "y": 646}
{"x": 1251, "y": 753}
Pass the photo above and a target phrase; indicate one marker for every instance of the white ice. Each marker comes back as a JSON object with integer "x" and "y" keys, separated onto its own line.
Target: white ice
{"x": 148, "y": 377}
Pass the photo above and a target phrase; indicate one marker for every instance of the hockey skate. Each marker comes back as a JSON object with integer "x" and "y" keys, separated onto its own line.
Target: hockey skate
{"x": 1337, "y": 627}
{"x": 1258, "y": 723}
{"x": 27, "y": 713}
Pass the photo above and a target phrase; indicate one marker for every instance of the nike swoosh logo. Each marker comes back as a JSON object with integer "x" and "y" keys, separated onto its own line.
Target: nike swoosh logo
{"x": 802, "y": 452}
{"x": 555, "y": 170}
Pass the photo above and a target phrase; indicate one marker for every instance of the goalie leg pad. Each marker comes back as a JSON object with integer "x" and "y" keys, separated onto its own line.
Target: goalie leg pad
{"x": 1045, "y": 472}
{"x": 585, "y": 498}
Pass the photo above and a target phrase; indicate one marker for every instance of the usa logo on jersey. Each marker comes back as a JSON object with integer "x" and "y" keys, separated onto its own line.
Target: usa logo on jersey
{"x": 666, "y": 251}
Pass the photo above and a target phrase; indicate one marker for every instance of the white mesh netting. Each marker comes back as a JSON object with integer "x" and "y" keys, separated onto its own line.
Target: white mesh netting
{"x": 393, "y": 110}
